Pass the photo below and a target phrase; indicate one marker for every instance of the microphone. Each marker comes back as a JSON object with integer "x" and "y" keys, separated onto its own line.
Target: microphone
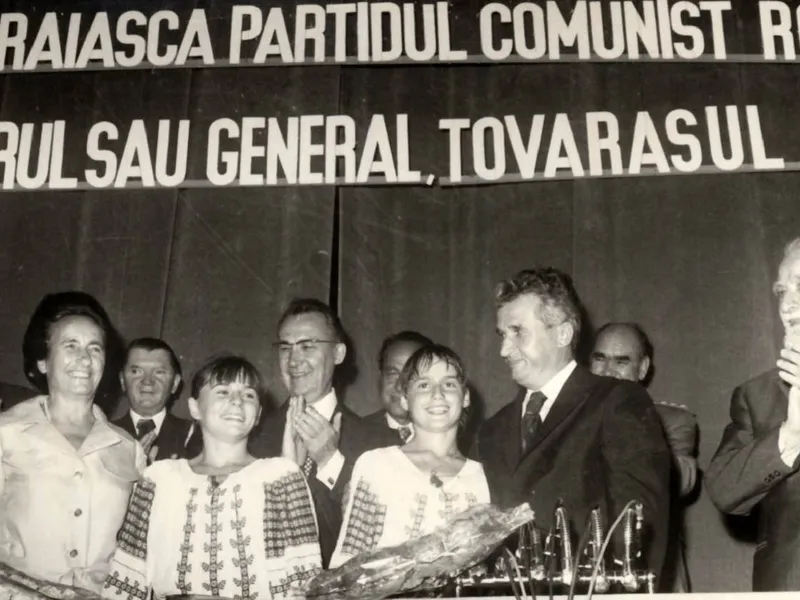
{"x": 562, "y": 525}
{"x": 596, "y": 544}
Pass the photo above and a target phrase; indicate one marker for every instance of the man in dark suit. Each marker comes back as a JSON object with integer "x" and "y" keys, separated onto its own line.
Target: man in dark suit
{"x": 312, "y": 427}
{"x": 570, "y": 436}
{"x": 392, "y": 423}
{"x": 758, "y": 457}
{"x": 151, "y": 379}
{"x": 624, "y": 351}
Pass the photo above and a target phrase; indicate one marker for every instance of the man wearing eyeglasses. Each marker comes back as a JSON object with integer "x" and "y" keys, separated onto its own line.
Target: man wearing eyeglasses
{"x": 312, "y": 427}
{"x": 570, "y": 437}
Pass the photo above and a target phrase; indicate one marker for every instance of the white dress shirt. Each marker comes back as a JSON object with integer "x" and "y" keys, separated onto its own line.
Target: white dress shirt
{"x": 393, "y": 423}
{"x": 329, "y": 473}
{"x": 551, "y": 389}
{"x": 158, "y": 420}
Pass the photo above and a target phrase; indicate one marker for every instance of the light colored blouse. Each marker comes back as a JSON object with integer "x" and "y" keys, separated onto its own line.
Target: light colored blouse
{"x": 61, "y": 508}
{"x": 390, "y": 501}
{"x": 250, "y": 535}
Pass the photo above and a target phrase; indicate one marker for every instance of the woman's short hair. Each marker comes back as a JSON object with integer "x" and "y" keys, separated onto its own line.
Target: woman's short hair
{"x": 52, "y": 309}
{"x": 228, "y": 369}
{"x": 421, "y": 361}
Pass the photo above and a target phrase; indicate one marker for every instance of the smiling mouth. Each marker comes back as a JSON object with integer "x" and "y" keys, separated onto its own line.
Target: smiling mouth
{"x": 237, "y": 418}
{"x": 438, "y": 410}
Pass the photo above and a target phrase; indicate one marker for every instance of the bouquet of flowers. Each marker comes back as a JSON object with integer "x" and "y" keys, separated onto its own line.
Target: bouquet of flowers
{"x": 424, "y": 563}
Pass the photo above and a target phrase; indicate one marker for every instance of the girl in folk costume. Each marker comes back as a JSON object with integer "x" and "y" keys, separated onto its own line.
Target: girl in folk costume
{"x": 403, "y": 492}
{"x": 222, "y": 524}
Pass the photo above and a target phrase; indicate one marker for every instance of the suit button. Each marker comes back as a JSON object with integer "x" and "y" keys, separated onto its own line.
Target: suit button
{"x": 73, "y": 553}
{"x": 78, "y": 512}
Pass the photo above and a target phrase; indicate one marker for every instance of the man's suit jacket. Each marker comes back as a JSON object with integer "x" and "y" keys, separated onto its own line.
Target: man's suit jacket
{"x": 266, "y": 442}
{"x": 601, "y": 444}
{"x": 171, "y": 441}
{"x": 747, "y": 471}
{"x": 382, "y": 435}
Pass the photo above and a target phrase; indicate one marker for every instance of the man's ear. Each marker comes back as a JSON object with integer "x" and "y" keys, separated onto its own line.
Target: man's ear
{"x": 175, "y": 384}
{"x": 122, "y": 382}
{"x": 565, "y": 333}
{"x": 404, "y": 402}
{"x": 340, "y": 351}
{"x": 42, "y": 366}
{"x": 644, "y": 367}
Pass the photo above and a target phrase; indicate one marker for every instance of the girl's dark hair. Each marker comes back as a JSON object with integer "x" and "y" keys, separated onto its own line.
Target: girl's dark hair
{"x": 423, "y": 358}
{"x": 228, "y": 369}
{"x": 35, "y": 344}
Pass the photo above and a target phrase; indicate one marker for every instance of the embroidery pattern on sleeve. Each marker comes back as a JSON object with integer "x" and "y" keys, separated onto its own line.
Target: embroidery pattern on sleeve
{"x": 299, "y": 574}
{"x": 186, "y": 547}
{"x": 132, "y": 536}
{"x": 241, "y": 543}
{"x": 366, "y": 522}
{"x": 124, "y": 586}
{"x": 214, "y": 545}
{"x": 417, "y": 516}
{"x": 288, "y": 515}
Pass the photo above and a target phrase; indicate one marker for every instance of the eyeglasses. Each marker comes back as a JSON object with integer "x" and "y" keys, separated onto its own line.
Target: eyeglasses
{"x": 302, "y": 345}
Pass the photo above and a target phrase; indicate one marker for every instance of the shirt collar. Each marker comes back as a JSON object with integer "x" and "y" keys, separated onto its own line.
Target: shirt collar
{"x": 158, "y": 419}
{"x": 34, "y": 415}
{"x": 394, "y": 424}
{"x": 326, "y": 405}
{"x": 551, "y": 389}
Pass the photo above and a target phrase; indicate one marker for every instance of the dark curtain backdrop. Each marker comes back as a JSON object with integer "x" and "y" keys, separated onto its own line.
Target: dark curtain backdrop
{"x": 691, "y": 258}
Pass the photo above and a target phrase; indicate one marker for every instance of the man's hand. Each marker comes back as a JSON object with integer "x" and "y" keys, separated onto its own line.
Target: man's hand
{"x": 789, "y": 371}
{"x": 292, "y": 446}
{"x": 320, "y": 437}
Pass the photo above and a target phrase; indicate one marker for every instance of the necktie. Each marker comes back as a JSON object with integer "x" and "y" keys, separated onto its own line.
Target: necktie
{"x": 144, "y": 427}
{"x": 308, "y": 467}
{"x": 531, "y": 419}
{"x": 404, "y": 432}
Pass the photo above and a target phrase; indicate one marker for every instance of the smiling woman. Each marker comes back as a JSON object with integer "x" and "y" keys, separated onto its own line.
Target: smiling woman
{"x": 60, "y": 445}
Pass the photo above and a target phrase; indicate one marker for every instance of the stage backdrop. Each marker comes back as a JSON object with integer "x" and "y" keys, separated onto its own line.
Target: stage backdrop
{"x": 196, "y": 164}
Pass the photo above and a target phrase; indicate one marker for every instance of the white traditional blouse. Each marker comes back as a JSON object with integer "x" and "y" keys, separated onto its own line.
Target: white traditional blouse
{"x": 248, "y": 537}
{"x": 390, "y": 501}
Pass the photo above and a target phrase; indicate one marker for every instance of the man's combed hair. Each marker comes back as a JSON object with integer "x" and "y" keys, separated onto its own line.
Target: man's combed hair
{"x": 306, "y": 306}
{"x": 423, "y": 358}
{"x": 149, "y": 344}
{"x": 555, "y": 291}
{"x": 792, "y": 247}
{"x": 408, "y": 336}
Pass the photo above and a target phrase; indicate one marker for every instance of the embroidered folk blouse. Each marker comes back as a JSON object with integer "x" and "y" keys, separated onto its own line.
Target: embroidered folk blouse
{"x": 391, "y": 501}
{"x": 248, "y": 537}
{"x": 60, "y": 508}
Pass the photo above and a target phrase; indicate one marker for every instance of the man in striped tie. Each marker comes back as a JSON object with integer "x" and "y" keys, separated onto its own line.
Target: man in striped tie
{"x": 312, "y": 427}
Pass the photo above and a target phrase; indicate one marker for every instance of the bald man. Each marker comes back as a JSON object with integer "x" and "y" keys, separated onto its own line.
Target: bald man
{"x": 623, "y": 351}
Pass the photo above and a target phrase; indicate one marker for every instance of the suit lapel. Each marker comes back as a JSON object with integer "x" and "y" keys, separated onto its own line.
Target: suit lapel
{"x": 509, "y": 429}
{"x": 575, "y": 392}
{"x": 126, "y": 423}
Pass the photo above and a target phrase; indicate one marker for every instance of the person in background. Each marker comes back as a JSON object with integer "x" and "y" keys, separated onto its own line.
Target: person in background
{"x": 438, "y": 482}
{"x": 312, "y": 427}
{"x": 570, "y": 438}
{"x": 67, "y": 473}
{"x": 756, "y": 464}
{"x": 223, "y": 523}
{"x": 623, "y": 351}
{"x": 151, "y": 380}
{"x": 392, "y": 423}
